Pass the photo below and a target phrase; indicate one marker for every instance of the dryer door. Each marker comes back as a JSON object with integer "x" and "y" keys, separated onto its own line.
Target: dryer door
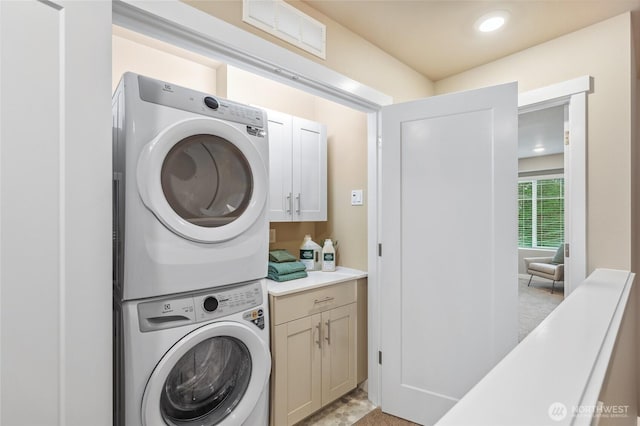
{"x": 203, "y": 179}
{"x": 213, "y": 376}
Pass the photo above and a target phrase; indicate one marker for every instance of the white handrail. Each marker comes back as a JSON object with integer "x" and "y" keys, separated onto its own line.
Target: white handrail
{"x": 556, "y": 374}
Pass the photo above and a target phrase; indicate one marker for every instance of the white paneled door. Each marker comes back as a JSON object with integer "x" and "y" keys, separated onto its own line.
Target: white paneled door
{"x": 449, "y": 247}
{"x": 55, "y": 213}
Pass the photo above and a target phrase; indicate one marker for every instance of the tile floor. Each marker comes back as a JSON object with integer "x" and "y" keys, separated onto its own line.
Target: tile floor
{"x": 344, "y": 411}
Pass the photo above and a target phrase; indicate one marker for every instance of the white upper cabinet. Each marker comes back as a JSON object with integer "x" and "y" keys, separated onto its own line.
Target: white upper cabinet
{"x": 297, "y": 169}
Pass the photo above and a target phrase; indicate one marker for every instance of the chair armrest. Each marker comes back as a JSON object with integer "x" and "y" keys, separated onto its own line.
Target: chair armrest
{"x": 529, "y": 260}
{"x": 559, "y": 274}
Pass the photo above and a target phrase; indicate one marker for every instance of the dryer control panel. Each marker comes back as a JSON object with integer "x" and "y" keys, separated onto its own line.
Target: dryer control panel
{"x": 163, "y": 313}
{"x": 171, "y": 95}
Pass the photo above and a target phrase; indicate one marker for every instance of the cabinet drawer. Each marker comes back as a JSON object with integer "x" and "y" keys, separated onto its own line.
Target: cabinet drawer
{"x": 298, "y": 305}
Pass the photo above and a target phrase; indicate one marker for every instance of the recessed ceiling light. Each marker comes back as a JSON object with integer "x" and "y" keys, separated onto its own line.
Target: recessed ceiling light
{"x": 492, "y": 21}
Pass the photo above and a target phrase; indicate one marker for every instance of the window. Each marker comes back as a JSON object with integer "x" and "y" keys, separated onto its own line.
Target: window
{"x": 541, "y": 213}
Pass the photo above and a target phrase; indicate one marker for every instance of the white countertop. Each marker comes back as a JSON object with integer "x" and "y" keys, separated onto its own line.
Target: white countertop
{"x": 314, "y": 280}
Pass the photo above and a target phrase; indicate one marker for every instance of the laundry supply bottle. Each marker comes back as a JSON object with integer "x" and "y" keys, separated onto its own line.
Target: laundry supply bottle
{"x": 328, "y": 256}
{"x": 310, "y": 254}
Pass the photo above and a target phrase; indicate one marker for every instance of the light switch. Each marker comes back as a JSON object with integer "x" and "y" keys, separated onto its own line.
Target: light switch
{"x": 356, "y": 197}
{"x": 272, "y": 235}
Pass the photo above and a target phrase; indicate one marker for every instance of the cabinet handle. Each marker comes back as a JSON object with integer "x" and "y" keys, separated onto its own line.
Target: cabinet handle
{"x": 325, "y": 299}
{"x": 328, "y": 338}
{"x": 288, "y": 197}
{"x": 319, "y": 341}
{"x": 298, "y": 200}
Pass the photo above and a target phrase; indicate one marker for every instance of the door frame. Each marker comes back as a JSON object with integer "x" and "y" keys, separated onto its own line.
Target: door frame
{"x": 573, "y": 95}
{"x": 181, "y": 25}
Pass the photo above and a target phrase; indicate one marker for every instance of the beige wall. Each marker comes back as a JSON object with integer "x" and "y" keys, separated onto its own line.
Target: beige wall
{"x": 603, "y": 51}
{"x": 135, "y": 56}
{"x": 346, "y": 163}
{"x": 347, "y": 53}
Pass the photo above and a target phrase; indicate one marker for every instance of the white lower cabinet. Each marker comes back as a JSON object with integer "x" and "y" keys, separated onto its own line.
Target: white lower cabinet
{"x": 313, "y": 349}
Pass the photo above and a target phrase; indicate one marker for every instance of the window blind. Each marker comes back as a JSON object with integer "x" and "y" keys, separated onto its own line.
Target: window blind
{"x": 541, "y": 213}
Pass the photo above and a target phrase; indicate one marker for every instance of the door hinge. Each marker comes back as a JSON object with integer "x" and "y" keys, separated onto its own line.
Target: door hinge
{"x": 380, "y": 249}
{"x": 566, "y": 137}
{"x": 380, "y": 357}
{"x": 379, "y": 142}
{"x": 566, "y": 249}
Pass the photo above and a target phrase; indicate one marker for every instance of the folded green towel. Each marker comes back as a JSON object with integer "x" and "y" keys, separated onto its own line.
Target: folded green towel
{"x": 287, "y": 277}
{"x": 286, "y": 268}
{"x": 281, "y": 255}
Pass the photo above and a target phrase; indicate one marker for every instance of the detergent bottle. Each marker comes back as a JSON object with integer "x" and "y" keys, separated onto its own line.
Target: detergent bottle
{"x": 328, "y": 256}
{"x": 310, "y": 254}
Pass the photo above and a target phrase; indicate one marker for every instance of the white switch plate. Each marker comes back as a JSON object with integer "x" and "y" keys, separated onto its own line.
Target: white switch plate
{"x": 272, "y": 235}
{"x": 356, "y": 197}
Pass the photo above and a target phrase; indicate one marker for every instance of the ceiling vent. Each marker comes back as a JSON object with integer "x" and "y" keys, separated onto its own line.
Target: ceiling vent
{"x": 287, "y": 23}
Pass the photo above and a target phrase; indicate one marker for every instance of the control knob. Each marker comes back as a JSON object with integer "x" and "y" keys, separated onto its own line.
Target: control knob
{"x": 210, "y": 304}
{"x": 211, "y": 102}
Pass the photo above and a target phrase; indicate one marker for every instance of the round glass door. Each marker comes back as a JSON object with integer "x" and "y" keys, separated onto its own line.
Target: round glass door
{"x": 207, "y": 180}
{"x": 207, "y": 383}
{"x": 214, "y": 375}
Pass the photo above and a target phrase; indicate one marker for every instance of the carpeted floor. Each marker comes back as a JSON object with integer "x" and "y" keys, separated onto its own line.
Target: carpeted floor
{"x": 535, "y": 303}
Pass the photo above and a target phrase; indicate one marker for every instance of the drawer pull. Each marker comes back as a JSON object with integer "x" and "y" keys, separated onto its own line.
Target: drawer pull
{"x": 328, "y": 338}
{"x": 324, "y": 299}
{"x": 319, "y": 341}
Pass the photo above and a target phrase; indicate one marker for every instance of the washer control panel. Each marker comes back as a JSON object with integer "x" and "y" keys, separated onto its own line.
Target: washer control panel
{"x": 163, "y": 313}
{"x": 171, "y": 95}
{"x": 225, "y": 302}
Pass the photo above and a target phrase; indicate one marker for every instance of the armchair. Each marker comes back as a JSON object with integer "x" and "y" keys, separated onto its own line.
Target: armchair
{"x": 544, "y": 268}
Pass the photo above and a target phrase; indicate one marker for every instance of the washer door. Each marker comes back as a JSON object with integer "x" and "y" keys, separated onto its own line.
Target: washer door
{"x": 213, "y": 376}
{"x": 203, "y": 179}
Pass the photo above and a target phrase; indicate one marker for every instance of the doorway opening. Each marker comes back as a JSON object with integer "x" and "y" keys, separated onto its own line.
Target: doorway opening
{"x": 541, "y": 195}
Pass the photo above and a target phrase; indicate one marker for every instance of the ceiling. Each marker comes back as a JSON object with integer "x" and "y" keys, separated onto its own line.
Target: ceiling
{"x": 543, "y": 130}
{"x": 437, "y": 37}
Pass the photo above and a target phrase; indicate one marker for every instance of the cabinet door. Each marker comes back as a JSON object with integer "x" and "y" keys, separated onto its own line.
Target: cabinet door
{"x": 297, "y": 363}
{"x": 309, "y": 170}
{"x": 339, "y": 352}
{"x": 280, "y": 154}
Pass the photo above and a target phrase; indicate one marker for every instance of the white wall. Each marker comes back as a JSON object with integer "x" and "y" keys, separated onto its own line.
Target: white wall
{"x": 543, "y": 162}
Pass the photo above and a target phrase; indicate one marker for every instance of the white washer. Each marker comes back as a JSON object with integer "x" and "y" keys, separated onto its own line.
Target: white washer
{"x": 200, "y": 358}
{"x": 190, "y": 190}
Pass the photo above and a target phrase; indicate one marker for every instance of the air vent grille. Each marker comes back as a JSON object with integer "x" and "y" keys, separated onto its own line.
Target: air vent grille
{"x": 284, "y": 21}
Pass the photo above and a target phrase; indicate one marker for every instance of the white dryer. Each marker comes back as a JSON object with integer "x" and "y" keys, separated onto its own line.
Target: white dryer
{"x": 196, "y": 359}
{"x": 190, "y": 190}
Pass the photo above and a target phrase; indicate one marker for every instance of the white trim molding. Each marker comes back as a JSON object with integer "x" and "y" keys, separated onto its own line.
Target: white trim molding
{"x": 558, "y": 91}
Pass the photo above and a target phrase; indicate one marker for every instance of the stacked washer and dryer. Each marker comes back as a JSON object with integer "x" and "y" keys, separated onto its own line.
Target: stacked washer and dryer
{"x": 191, "y": 329}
